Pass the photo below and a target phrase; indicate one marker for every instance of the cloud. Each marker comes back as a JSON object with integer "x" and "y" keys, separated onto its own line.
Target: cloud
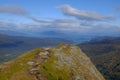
{"x": 67, "y": 26}
{"x": 84, "y": 24}
{"x": 17, "y": 10}
{"x": 83, "y": 15}
{"x": 66, "y": 9}
{"x": 53, "y": 24}
{"x": 9, "y": 26}
{"x": 117, "y": 8}
{"x": 38, "y": 20}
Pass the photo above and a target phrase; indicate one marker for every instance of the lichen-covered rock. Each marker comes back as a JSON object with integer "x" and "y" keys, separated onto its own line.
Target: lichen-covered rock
{"x": 68, "y": 62}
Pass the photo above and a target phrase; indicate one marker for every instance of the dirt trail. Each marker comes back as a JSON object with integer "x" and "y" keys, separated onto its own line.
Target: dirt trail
{"x": 37, "y": 61}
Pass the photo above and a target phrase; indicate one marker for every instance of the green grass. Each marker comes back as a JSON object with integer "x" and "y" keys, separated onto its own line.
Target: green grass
{"x": 63, "y": 64}
{"x": 14, "y": 67}
{"x": 52, "y": 72}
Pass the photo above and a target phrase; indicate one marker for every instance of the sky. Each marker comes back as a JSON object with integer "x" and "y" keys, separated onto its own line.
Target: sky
{"x": 60, "y": 18}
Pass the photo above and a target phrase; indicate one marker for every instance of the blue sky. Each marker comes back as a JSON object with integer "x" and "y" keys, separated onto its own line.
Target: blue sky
{"x": 61, "y": 17}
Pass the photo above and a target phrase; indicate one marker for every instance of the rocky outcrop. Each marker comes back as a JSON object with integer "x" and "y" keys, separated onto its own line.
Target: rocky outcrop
{"x": 37, "y": 62}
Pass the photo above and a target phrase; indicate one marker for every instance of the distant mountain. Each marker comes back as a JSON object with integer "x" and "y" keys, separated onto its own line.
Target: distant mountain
{"x": 76, "y": 38}
{"x": 62, "y": 62}
{"x": 52, "y": 33}
{"x": 12, "y": 33}
{"x": 105, "y": 54}
{"x": 12, "y": 46}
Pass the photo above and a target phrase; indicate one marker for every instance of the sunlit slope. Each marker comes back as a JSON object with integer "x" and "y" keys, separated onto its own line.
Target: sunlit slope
{"x": 63, "y": 62}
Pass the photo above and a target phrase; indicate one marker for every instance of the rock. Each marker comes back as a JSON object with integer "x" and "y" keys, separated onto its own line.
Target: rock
{"x": 44, "y": 53}
{"x": 30, "y": 63}
{"x": 46, "y": 48}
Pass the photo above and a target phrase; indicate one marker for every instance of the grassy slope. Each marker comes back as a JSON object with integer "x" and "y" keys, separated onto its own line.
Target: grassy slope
{"x": 71, "y": 63}
{"x": 17, "y": 67}
{"x": 66, "y": 62}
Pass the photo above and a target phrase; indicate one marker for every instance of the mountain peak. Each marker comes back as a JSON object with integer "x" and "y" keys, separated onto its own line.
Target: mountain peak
{"x": 62, "y": 62}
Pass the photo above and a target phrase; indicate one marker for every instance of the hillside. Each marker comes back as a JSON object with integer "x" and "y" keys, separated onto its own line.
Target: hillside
{"x": 63, "y": 62}
{"x": 105, "y": 54}
{"x": 101, "y": 46}
{"x": 12, "y": 46}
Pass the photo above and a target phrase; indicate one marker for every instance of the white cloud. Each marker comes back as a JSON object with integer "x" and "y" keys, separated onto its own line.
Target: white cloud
{"x": 16, "y": 10}
{"x": 84, "y": 24}
{"x": 84, "y": 15}
{"x": 63, "y": 25}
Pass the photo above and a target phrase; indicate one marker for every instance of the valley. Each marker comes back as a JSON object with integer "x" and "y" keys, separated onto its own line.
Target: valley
{"x": 13, "y": 46}
{"x": 105, "y": 54}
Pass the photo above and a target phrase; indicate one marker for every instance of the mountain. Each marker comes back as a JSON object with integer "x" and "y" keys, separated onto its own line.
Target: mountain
{"x": 12, "y": 46}
{"x": 105, "y": 54}
{"x": 12, "y": 33}
{"x": 77, "y": 38}
{"x": 63, "y": 62}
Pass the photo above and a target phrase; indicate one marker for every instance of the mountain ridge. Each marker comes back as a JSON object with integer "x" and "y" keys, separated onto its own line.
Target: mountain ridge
{"x": 13, "y": 46}
{"x": 62, "y": 62}
{"x": 105, "y": 53}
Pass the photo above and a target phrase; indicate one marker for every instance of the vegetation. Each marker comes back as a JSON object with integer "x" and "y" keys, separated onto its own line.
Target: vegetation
{"x": 63, "y": 62}
{"x": 105, "y": 54}
{"x": 15, "y": 69}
